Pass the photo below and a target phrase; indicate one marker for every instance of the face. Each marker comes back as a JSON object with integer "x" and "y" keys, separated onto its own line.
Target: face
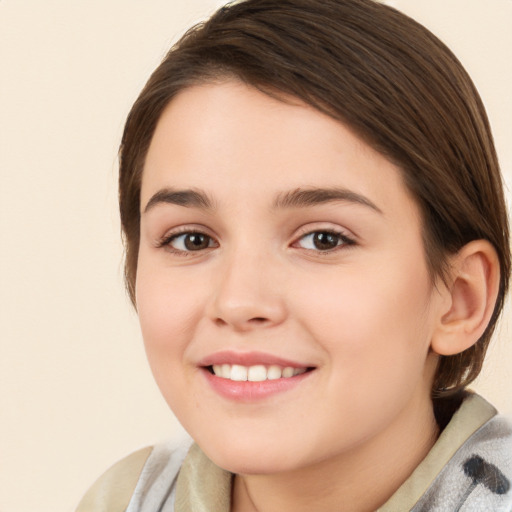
{"x": 283, "y": 294}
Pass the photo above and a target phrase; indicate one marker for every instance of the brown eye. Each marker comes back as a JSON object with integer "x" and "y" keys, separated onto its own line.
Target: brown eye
{"x": 191, "y": 242}
{"x": 324, "y": 240}
{"x": 196, "y": 241}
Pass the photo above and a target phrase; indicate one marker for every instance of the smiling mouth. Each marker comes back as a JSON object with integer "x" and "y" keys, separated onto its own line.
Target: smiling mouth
{"x": 255, "y": 373}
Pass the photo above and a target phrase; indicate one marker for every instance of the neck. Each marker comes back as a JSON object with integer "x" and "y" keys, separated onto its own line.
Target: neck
{"x": 361, "y": 479}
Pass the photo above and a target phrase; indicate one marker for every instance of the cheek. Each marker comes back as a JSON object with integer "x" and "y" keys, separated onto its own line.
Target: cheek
{"x": 168, "y": 307}
{"x": 374, "y": 324}
{"x": 168, "y": 314}
{"x": 376, "y": 339}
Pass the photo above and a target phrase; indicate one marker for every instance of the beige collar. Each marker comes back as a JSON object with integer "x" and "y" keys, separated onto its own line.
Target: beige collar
{"x": 471, "y": 415}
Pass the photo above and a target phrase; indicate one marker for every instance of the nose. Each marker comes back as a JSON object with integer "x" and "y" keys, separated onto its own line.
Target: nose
{"x": 248, "y": 293}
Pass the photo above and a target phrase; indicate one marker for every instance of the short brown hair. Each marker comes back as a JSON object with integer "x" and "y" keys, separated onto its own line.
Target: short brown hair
{"x": 379, "y": 72}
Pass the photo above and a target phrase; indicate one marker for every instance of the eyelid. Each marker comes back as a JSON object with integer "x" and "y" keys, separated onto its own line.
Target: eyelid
{"x": 347, "y": 238}
{"x": 314, "y": 227}
{"x": 165, "y": 241}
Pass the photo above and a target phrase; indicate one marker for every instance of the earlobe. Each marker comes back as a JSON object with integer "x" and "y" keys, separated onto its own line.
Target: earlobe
{"x": 470, "y": 298}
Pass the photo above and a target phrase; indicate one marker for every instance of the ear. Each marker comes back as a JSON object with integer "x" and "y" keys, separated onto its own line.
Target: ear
{"x": 469, "y": 298}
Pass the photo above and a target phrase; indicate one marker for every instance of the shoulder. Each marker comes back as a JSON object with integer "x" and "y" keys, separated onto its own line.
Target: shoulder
{"x": 113, "y": 490}
{"x": 468, "y": 468}
{"x": 143, "y": 476}
{"x": 478, "y": 474}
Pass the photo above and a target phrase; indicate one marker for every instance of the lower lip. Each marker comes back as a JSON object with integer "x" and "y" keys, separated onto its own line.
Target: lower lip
{"x": 247, "y": 391}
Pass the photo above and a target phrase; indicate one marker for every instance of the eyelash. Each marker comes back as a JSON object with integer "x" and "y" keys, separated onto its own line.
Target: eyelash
{"x": 344, "y": 241}
{"x": 166, "y": 242}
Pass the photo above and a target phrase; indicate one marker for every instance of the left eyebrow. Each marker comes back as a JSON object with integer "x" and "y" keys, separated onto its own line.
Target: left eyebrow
{"x": 314, "y": 196}
{"x": 188, "y": 198}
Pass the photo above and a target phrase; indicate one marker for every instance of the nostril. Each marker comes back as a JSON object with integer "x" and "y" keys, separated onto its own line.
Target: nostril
{"x": 258, "y": 320}
{"x": 251, "y": 322}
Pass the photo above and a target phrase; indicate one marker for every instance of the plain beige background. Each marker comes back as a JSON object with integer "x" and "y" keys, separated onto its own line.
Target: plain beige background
{"x": 75, "y": 390}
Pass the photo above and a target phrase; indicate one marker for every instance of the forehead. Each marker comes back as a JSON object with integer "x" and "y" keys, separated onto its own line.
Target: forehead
{"x": 235, "y": 141}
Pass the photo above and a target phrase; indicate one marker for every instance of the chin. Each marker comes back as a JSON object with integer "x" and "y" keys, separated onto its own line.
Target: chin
{"x": 248, "y": 458}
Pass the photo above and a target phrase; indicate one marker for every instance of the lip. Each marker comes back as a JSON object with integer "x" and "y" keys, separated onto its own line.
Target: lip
{"x": 247, "y": 391}
{"x": 249, "y": 359}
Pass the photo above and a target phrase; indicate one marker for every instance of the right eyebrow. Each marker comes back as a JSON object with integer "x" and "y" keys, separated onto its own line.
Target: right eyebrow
{"x": 314, "y": 196}
{"x": 187, "y": 198}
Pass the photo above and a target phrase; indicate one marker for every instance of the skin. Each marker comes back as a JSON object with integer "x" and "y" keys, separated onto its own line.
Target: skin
{"x": 362, "y": 313}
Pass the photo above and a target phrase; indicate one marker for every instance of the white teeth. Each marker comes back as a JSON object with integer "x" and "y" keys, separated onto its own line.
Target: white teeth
{"x": 256, "y": 373}
{"x": 238, "y": 373}
{"x": 225, "y": 372}
{"x": 288, "y": 372}
{"x": 274, "y": 372}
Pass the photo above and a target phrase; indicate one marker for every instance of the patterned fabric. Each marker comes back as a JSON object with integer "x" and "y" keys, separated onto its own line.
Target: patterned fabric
{"x": 469, "y": 469}
{"x": 478, "y": 476}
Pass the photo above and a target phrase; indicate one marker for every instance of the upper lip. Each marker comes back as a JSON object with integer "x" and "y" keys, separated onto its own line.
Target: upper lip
{"x": 249, "y": 359}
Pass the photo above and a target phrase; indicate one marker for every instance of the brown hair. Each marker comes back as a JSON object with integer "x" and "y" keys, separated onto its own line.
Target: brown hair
{"x": 382, "y": 74}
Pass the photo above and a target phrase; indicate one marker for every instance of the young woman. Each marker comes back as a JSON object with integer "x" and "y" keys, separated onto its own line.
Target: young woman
{"x": 317, "y": 247}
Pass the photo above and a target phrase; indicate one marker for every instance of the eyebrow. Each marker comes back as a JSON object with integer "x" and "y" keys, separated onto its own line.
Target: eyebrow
{"x": 188, "y": 198}
{"x": 293, "y": 199}
{"x": 310, "y": 197}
